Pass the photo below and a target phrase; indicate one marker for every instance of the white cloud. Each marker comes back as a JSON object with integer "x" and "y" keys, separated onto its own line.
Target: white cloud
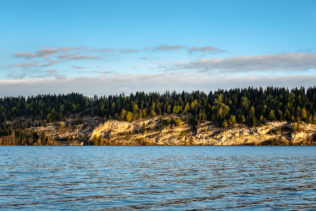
{"x": 116, "y": 83}
{"x": 270, "y": 62}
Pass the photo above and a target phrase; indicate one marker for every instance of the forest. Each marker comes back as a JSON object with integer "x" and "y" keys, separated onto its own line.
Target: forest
{"x": 249, "y": 106}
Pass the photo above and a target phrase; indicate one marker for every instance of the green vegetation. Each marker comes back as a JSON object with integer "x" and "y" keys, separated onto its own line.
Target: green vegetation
{"x": 252, "y": 106}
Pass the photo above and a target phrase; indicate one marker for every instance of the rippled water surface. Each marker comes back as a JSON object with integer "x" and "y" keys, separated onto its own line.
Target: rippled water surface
{"x": 159, "y": 178}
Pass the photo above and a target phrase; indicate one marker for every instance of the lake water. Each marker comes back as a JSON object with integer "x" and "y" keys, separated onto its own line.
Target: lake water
{"x": 158, "y": 178}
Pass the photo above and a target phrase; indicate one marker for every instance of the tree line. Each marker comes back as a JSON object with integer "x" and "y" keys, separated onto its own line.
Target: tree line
{"x": 250, "y": 106}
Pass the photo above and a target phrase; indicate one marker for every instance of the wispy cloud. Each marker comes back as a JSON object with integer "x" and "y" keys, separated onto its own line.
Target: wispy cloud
{"x": 128, "y": 50}
{"x": 193, "y": 49}
{"x": 49, "y": 74}
{"x": 25, "y": 55}
{"x": 77, "y": 67}
{"x": 70, "y": 57}
{"x": 63, "y": 52}
{"x": 14, "y": 75}
{"x": 169, "y": 47}
{"x": 46, "y": 51}
{"x": 34, "y": 73}
{"x": 23, "y": 65}
{"x": 85, "y": 53}
{"x": 118, "y": 83}
{"x": 67, "y": 49}
{"x": 205, "y": 49}
{"x": 276, "y": 63}
{"x": 40, "y": 53}
{"x": 50, "y": 62}
{"x": 270, "y": 62}
{"x": 49, "y": 57}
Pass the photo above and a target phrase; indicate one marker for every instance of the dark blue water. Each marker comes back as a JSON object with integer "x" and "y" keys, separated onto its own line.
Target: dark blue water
{"x": 159, "y": 178}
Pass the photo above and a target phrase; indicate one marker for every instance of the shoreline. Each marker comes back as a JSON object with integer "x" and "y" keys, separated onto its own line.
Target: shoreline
{"x": 150, "y": 131}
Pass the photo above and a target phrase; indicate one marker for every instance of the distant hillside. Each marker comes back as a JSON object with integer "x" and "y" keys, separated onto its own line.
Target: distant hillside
{"x": 223, "y": 108}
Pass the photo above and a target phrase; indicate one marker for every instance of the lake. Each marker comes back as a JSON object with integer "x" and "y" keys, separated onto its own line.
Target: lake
{"x": 157, "y": 177}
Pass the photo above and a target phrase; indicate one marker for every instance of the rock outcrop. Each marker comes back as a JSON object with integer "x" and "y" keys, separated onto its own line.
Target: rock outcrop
{"x": 94, "y": 131}
{"x": 149, "y": 132}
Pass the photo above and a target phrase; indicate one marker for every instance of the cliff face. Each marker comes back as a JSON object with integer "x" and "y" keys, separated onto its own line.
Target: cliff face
{"x": 152, "y": 132}
{"x": 146, "y": 133}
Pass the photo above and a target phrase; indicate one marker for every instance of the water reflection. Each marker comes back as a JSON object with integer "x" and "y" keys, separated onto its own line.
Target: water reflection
{"x": 157, "y": 177}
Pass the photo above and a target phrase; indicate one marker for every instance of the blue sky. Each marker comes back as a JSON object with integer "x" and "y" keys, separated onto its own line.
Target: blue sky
{"x": 109, "y": 47}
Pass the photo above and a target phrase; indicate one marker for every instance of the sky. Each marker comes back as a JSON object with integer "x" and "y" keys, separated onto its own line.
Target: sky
{"x": 110, "y": 47}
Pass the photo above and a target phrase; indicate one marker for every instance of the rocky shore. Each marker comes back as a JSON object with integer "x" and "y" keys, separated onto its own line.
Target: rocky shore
{"x": 274, "y": 133}
{"x": 94, "y": 131}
